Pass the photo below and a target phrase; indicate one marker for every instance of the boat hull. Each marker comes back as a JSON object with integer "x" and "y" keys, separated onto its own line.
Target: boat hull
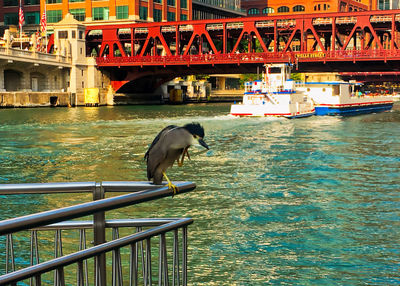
{"x": 350, "y": 110}
{"x": 268, "y": 111}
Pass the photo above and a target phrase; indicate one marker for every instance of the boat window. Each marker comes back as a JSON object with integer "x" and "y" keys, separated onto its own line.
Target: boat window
{"x": 308, "y": 89}
{"x": 335, "y": 90}
{"x": 274, "y": 70}
{"x": 324, "y": 89}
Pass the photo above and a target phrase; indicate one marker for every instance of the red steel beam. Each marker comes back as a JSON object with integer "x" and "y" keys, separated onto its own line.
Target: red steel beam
{"x": 297, "y": 38}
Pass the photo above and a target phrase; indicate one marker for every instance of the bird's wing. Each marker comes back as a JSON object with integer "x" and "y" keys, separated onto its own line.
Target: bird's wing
{"x": 157, "y": 151}
{"x": 146, "y": 156}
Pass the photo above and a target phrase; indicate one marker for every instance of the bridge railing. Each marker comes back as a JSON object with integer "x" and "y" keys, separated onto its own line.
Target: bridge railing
{"x": 139, "y": 246}
{"x": 12, "y": 53}
{"x": 232, "y": 58}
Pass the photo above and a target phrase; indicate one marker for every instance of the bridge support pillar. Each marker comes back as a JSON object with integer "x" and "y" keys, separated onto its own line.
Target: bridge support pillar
{"x": 2, "y": 79}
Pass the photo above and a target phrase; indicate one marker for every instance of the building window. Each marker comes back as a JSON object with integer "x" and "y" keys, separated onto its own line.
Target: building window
{"x": 11, "y": 19}
{"x": 382, "y": 4}
{"x": 76, "y": 1}
{"x": 32, "y": 2}
{"x": 122, "y": 12}
{"x": 283, "y": 9}
{"x": 170, "y": 16}
{"x": 184, "y": 4}
{"x": 158, "y": 1}
{"x": 11, "y": 3}
{"x": 268, "y": 10}
{"x": 100, "y": 13}
{"x": 184, "y": 17}
{"x": 63, "y": 34}
{"x": 53, "y": 1}
{"x": 317, "y": 7}
{"x": 143, "y": 13}
{"x": 298, "y": 8}
{"x": 171, "y": 2}
{"x": 157, "y": 15}
{"x": 79, "y": 14}
{"x": 32, "y": 18}
{"x": 54, "y": 16}
{"x": 253, "y": 11}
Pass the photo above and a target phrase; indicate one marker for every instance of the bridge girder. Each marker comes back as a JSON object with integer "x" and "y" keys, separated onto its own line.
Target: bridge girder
{"x": 346, "y": 41}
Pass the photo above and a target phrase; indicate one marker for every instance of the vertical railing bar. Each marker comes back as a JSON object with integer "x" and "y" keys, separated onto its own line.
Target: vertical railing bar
{"x": 99, "y": 234}
{"x": 97, "y": 271}
{"x": 10, "y": 252}
{"x": 85, "y": 263}
{"x": 133, "y": 271}
{"x": 55, "y": 283}
{"x": 120, "y": 276}
{"x": 58, "y": 253}
{"x": 82, "y": 246}
{"x": 80, "y": 280}
{"x": 31, "y": 260}
{"x": 160, "y": 265}
{"x": 184, "y": 256}
{"x": 38, "y": 280}
{"x": 7, "y": 252}
{"x": 145, "y": 268}
{"x": 60, "y": 243}
{"x": 165, "y": 260}
{"x": 34, "y": 252}
{"x": 148, "y": 258}
{"x": 176, "y": 259}
{"x": 36, "y": 246}
{"x": 139, "y": 229}
{"x": 60, "y": 274}
{"x": 113, "y": 263}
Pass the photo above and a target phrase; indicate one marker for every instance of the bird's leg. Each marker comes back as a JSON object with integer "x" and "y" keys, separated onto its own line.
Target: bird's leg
{"x": 170, "y": 185}
{"x": 185, "y": 151}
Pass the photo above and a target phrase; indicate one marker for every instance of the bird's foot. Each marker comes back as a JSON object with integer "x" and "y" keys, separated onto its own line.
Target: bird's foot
{"x": 171, "y": 186}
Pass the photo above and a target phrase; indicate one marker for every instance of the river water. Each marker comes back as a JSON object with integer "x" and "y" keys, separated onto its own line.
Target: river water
{"x": 312, "y": 201}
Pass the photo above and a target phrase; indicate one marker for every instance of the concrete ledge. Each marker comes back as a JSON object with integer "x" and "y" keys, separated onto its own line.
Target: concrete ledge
{"x": 34, "y": 99}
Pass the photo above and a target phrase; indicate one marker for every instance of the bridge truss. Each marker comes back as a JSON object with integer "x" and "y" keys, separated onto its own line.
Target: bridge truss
{"x": 330, "y": 37}
{"x": 342, "y": 42}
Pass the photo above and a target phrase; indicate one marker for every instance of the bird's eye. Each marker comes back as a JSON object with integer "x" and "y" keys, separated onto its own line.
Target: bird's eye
{"x": 195, "y": 136}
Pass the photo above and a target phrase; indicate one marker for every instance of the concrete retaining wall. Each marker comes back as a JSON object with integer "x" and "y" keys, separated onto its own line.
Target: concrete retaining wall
{"x": 34, "y": 99}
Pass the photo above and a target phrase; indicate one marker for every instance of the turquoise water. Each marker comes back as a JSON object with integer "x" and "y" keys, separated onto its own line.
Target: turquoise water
{"x": 312, "y": 201}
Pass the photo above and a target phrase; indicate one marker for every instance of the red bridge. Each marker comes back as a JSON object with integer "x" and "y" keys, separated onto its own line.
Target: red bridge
{"x": 351, "y": 42}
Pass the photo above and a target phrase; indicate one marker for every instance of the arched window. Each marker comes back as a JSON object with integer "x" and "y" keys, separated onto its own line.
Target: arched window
{"x": 283, "y": 9}
{"x": 253, "y": 11}
{"x": 317, "y": 7}
{"x": 268, "y": 10}
{"x": 299, "y": 8}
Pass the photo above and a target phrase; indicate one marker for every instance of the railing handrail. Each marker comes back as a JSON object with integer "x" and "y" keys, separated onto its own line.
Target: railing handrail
{"x": 90, "y": 252}
{"x": 75, "y": 187}
{"x": 138, "y": 222}
{"x": 46, "y": 188}
{"x": 89, "y": 208}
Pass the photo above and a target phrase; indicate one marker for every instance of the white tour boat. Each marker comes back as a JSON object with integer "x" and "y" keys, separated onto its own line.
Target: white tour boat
{"x": 344, "y": 98}
{"x": 275, "y": 95}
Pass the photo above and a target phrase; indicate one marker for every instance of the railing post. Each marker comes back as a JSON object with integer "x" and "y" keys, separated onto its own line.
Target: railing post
{"x": 99, "y": 233}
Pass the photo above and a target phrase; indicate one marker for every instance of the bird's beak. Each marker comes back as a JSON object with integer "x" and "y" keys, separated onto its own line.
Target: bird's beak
{"x": 204, "y": 144}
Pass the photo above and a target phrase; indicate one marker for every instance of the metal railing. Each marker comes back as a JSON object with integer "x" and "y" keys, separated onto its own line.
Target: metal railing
{"x": 140, "y": 263}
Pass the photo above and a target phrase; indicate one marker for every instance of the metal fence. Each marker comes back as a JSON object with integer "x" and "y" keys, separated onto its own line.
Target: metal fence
{"x": 141, "y": 266}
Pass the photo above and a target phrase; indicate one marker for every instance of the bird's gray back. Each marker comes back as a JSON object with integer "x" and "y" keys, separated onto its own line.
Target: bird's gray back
{"x": 166, "y": 149}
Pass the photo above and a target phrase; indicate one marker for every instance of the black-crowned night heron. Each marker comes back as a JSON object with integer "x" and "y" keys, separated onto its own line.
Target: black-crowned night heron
{"x": 172, "y": 142}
